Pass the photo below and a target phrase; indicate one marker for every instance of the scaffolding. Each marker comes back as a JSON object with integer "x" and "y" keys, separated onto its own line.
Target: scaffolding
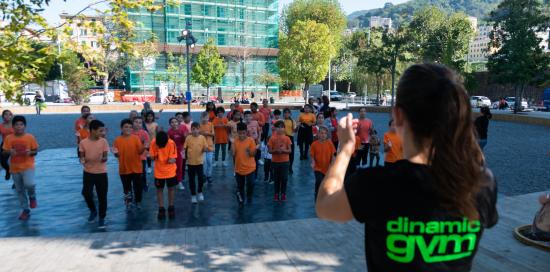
{"x": 245, "y": 31}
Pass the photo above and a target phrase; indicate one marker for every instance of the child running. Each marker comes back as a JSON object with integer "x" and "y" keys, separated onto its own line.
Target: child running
{"x": 280, "y": 147}
{"x": 177, "y": 134}
{"x": 144, "y": 137}
{"x": 128, "y": 149}
{"x": 152, "y": 128}
{"x": 393, "y": 150}
{"x": 195, "y": 146}
{"x": 6, "y": 129}
{"x": 244, "y": 152}
{"x": 187, "y": 121}
{"x": 267, "y": 157}
{"x": 93, "y": 156}
{"x": 290, "y": 128}
{"x": 163, "y": 152}
{"x": 22, "y": 147}
{"x": 374, "y": 150}
{"x": 322, "y": 153}
{"x": 305, "y": 132}
{"x": 207, "y": 130}
{"x": 221, "y": 135}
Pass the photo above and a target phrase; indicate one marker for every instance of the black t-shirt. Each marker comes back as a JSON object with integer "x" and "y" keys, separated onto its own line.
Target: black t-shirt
{"x": 482, "y": 126}
{"x": 405, "y": 227}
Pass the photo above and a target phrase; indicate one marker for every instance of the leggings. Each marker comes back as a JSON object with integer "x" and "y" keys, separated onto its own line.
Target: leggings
{"x": 280, "y": 170}
{"x": 144, "y": 174}
{"x": 195, "y": 170}
{"x": 132, "y": 185}
{"x": 291, "y": 155}
{"x": 305, "y": 138}
{"x": 372, "y": 157}
{"x": 362, "y": 154}
{"x": 4, "y": 161}
{"x": 217, "y": 151}
{"x": 243, "y": 181}
{"x": 100, "y": 182}
{"x": 149, "y": 162}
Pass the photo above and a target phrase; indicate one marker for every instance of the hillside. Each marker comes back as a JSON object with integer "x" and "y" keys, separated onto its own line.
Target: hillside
{"x": 403, "y": 12}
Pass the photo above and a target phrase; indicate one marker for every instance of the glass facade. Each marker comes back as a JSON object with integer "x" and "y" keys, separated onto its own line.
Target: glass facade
{"x": 238, "y": 27}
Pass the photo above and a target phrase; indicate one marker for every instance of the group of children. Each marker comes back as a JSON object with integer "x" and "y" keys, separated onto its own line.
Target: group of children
{"x": 196, "y": 147}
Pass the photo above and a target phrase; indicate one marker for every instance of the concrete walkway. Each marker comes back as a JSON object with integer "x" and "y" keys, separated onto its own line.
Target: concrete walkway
{"x": 296, "y": 245}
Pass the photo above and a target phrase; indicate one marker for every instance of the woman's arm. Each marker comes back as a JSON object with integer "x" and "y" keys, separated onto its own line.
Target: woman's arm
{"x": 332, "y": 201}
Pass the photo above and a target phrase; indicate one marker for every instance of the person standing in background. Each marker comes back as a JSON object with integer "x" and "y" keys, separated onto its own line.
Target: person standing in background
{"x": 482, "y": 126}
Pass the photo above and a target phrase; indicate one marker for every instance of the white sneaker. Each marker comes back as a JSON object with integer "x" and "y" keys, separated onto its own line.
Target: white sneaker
{"x": 180, "y": 186}
{"x": 194, "y": 199}
{"x": 261, "y": 162}
{"x": 149, "y": 170}
{"x": 215, "y": 164}
{"x": 224, "y": 164}
{"x": 201, "y": 197}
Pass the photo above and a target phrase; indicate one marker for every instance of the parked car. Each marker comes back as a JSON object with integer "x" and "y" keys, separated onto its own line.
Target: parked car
{"x": 336, "y": 96}
{"x": 480, "y": 101}
{"x": 98, "y": 98}
{"x": 351, "y": 94}
{"x": 512, "y": 103}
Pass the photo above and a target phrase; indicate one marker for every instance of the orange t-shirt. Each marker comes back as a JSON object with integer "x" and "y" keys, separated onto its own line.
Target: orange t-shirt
{"x": 194, "y": 147}
{"x": 357, "y": 146}
{"x": 20, "y": 162}
{"x": 221, "y": 132}
{"x": 83, "y": 133}
{"x": 233, "y": 134}
{"x": 211, "y": 115}
{"x": 396, "y": 151}
{"x": 164, "y": 169}
{"x": 244, "y": 164}
{"x": 144, "y": 137}
{"x": 79, "y": 124}
{"x": 93, "y": 153}
{"x": 258, "y": 116}
{"x": 5, "y": 131}
{"x": 307, "y": 118}
{"x": 279, "y": 142}
{"x": 322, "y": 154}
{"x": 208, "y": 128}
{"x": 363, "y": 130}
{"x": 129, "y": 155}
{"x": 239, "y": 108}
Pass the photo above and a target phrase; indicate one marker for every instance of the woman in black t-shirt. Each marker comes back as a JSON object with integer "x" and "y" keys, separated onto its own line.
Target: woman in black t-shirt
{"x": 482, "y": 126}
{"x": 428, "y": 211}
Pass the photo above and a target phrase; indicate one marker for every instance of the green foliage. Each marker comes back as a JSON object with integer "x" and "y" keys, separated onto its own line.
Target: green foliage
{"x": 76, "y": 76}
{"x": 305, "y": 53}
{"x": 404, "y": 12}
{"x": 442, "y": 38}
{"x": 267, "y": 79}
{"x": 520, "y": 58}
{"x": 209, "y": 67}
{"x": 328, "y": 12}
{"x": 176, "y": 72}
{"x": 142, "y": 52}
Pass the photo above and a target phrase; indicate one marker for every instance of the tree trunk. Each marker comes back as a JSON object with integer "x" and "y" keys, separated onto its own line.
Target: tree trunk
{"x": 378, "y": 83}
{"x": 394, "y": 63}
{"x": 349, "y": 86}
{"x": 306, "y": 91}
{"x": 105, "y": 88}
{"x": 335, "y": 89}
{"x": 207, "y": 93}
{"x": 267, "y": 92}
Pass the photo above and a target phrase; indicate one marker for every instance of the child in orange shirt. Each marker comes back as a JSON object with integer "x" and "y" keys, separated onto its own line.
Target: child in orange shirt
{"x": 322, "y": 153}
{"x": 280, "y": 147}
{"x": 244, "y": 152}
{"x": 144, "y": 137}
{"x": 195, "y": 146}
{"x": 207, "y": 130}
{"x": 393, "y": 150}
{"x": 306, "y": 121}
{"x": 93, "y": 156}
{"x": 128, "y": 149}
{"x": 6, "y": 129}
{"x": 164, "y": 153}
{"x": 221, "y": 135}
{"x": 84, "y": 132}
{"x": 22, "y": 147}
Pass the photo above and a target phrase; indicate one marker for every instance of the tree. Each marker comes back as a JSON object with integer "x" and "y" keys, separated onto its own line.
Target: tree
{"x": 209, "y": 67}
{"x": 267, "y": 79}
{"x": 442, "y": 38}
{"x": 176, "y": 72}
{"x": 372, "y": 58}
{"x": 305, "y": 52}
{"x": 116, "y": 40}
{"x": 76, "y": 76}
{"x": 143, "y": 53}
{"x": 396, "y": 45}
{"x": 519, "y": 59}
{"x": 342, "y": 66}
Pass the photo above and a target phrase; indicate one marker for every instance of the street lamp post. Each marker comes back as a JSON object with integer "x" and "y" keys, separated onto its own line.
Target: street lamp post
{"x": 190, "y": 41}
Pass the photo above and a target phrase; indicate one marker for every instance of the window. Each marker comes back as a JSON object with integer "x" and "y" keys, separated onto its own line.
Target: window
{"x": 221, "y": 12}
{"x": 187, "y": 9}
{"x": 221, "y": 39}
{"x": 83, "y": 32}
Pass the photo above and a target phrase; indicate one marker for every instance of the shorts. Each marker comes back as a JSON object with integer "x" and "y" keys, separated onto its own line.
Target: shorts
{"x": 169, "y": 182}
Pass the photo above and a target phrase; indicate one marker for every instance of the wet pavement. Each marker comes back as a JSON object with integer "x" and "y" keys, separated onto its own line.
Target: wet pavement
{"x": 517, "y": 154}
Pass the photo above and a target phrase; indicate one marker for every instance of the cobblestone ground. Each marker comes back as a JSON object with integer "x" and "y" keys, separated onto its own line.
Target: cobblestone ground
{"x": 516, "y": 153}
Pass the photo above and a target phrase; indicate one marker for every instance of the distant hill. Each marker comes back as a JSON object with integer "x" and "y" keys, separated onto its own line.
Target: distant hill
{"x": 403, "y": 12}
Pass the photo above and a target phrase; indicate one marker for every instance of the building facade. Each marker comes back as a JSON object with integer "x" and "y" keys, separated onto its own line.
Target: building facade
{"x": 245, "y": 31}
{"x": 79, "y": 32}
{"x": 377, "y": 21}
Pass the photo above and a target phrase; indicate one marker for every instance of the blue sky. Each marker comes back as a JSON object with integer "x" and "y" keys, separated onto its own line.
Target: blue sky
{"x": 71, "y": 6}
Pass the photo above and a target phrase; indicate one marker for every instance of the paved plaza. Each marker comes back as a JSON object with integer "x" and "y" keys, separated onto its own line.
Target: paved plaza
{"x": 517, "y": 154}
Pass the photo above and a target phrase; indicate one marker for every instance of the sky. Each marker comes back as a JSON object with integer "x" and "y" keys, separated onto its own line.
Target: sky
{"x": 72, "y": 6}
